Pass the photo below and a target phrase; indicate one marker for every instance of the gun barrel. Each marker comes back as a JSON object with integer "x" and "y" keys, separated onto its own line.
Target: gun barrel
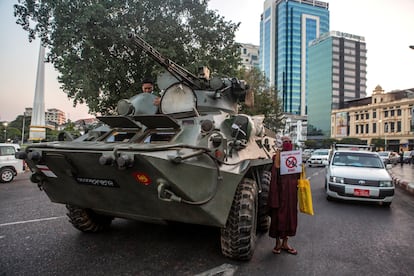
{"x": 176, "y": 70}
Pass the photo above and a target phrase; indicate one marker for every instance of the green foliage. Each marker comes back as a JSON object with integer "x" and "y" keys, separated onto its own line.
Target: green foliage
{"x": 327, "y": 143}
{"x": 51, "y": 135}
{"x": 18, "y": 124}
{"x": 98, "y": 64}
{"x": 311, "y": 144}
{"x": 266, "y": 101}
{"x": 378, "y": 143}
{"x": 352, "y": 141}
{"x": 324, "y": 143}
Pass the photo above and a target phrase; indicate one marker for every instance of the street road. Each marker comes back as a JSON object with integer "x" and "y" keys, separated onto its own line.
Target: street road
{"x": 340, "y": 239}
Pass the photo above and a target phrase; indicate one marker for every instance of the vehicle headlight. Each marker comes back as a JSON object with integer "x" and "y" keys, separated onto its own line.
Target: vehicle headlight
{"x": 336, "y": 179}
{"x": 387, "y": 183}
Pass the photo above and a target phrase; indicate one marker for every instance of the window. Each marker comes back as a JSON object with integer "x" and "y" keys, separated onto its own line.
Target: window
{"x": 7, "y": 150}
{"x": 374, "y": 127}
{"x": 374, "y": 114}
{"x": 399, "y": 126}
{"x": 386, "y": 113}
{"x": 367, "y": 116}
{"x": 398, "y": 112}
{"x": 120, "y": 136}
{"x": 392, "y": 112}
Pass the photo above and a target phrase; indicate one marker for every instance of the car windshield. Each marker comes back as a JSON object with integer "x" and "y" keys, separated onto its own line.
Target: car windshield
{"x": 357, "y": 159}
{"x": 321, "y": 152}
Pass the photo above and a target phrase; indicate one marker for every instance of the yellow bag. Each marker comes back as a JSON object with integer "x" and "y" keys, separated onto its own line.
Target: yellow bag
{"x": 305, "y": 194}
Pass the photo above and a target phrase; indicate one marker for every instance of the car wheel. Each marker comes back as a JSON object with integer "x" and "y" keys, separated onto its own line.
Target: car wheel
{"x": 6, "y": 175}
{"x": 263, "y": 219}
{"x": 238, "y": 237}
{"x": 87, "y": 220}
{"x": 385, "y": 204}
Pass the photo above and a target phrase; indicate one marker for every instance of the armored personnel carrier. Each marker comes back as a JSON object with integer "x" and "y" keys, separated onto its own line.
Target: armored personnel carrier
{"x": 192, "y": 159}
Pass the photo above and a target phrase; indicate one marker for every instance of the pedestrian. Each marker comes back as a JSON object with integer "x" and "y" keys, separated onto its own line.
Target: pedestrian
{"x": 283, "y": 201}
{"x": 148, "y": 87}
{"x": 412, "y": 156}
{"x": 401, "y": 157}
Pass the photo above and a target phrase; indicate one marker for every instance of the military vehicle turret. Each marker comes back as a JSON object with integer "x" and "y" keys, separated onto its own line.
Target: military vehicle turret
{"x": 193, "y": 159}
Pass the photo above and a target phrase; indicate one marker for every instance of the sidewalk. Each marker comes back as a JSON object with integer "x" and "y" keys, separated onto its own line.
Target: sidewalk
{"x": 403, "y": 177}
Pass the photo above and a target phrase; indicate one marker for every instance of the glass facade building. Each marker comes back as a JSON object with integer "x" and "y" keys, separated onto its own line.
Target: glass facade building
{"x": 286, "y": 28}
{"x": 336, "y": 74}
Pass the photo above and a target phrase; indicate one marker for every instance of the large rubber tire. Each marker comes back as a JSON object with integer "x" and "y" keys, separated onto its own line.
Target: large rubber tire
{"x": 87, "y": 220}
{"x": 238, "y": 237}
{"x": 263, "y": 219}
{"x": 6, "y": 175}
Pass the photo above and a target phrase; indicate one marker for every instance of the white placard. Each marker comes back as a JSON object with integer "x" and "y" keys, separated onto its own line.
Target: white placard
{"x": 290, "y": 162}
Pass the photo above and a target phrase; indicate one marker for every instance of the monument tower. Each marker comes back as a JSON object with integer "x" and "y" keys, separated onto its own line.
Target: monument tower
{"x": 37, "y": 125}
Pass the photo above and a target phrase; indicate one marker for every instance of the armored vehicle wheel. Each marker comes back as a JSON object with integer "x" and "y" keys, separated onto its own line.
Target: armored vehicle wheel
{"x": 263, "y": 220}
{"x": 6, "y": 175}
{"x": 87, "y": 220}
{"x": 238, "y": 237}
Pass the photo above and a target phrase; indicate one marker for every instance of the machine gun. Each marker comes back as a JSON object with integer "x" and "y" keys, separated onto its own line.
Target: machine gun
{"x": 207, "y": 90}
{"x": 173, "y": 68}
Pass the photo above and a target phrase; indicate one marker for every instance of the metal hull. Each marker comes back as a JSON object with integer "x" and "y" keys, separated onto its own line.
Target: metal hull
{"x": 77, "y": 178}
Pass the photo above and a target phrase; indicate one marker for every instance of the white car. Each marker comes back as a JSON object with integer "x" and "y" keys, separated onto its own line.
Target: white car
{"x": 319, "y": 157}
{"x": 10, "y": 166}
{"x": 359, "y": 175}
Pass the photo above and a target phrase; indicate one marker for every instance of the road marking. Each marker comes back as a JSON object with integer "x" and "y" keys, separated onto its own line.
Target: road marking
{"x": 223, "y": 270}
{"x": 30, "y": 221}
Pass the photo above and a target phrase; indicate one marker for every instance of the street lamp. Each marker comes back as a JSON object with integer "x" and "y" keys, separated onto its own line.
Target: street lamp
{"x": 24, "y": 119}
{"x": 5, "y": 132}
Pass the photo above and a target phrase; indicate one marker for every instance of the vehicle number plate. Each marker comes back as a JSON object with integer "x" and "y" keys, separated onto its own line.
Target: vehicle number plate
{"x": 360, "y": 192}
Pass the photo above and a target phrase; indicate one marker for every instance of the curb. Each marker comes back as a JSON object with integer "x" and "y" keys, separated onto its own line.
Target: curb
{"x": 403, "y": 184}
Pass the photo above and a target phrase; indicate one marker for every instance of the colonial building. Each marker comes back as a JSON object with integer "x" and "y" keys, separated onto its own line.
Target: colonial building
{"x": 387, "y": 116}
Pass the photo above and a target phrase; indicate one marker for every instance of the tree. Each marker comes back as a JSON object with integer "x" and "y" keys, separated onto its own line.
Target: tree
{"x": 99, "y": 65}
{"x": 266, "y": 101}
{"x": 18, "y": 124}
{"x": 352, "y": 141}
{"x": 378, "y": 143}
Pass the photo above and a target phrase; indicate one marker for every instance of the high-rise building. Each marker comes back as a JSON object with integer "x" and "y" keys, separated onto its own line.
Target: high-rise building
{"x": 56, "y": 115}
{"x": 337, "y": 66}
{"x": 249, "y": 55}
{"x": 286, "y": 28}
{"x": 52, "y": 115}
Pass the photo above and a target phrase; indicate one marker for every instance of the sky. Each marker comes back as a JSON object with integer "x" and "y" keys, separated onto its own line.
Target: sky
{"x": 388, "y": 28}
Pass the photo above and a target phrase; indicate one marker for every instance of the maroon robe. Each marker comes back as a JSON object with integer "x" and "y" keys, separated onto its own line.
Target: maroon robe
{"x": 283, "y": 201}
